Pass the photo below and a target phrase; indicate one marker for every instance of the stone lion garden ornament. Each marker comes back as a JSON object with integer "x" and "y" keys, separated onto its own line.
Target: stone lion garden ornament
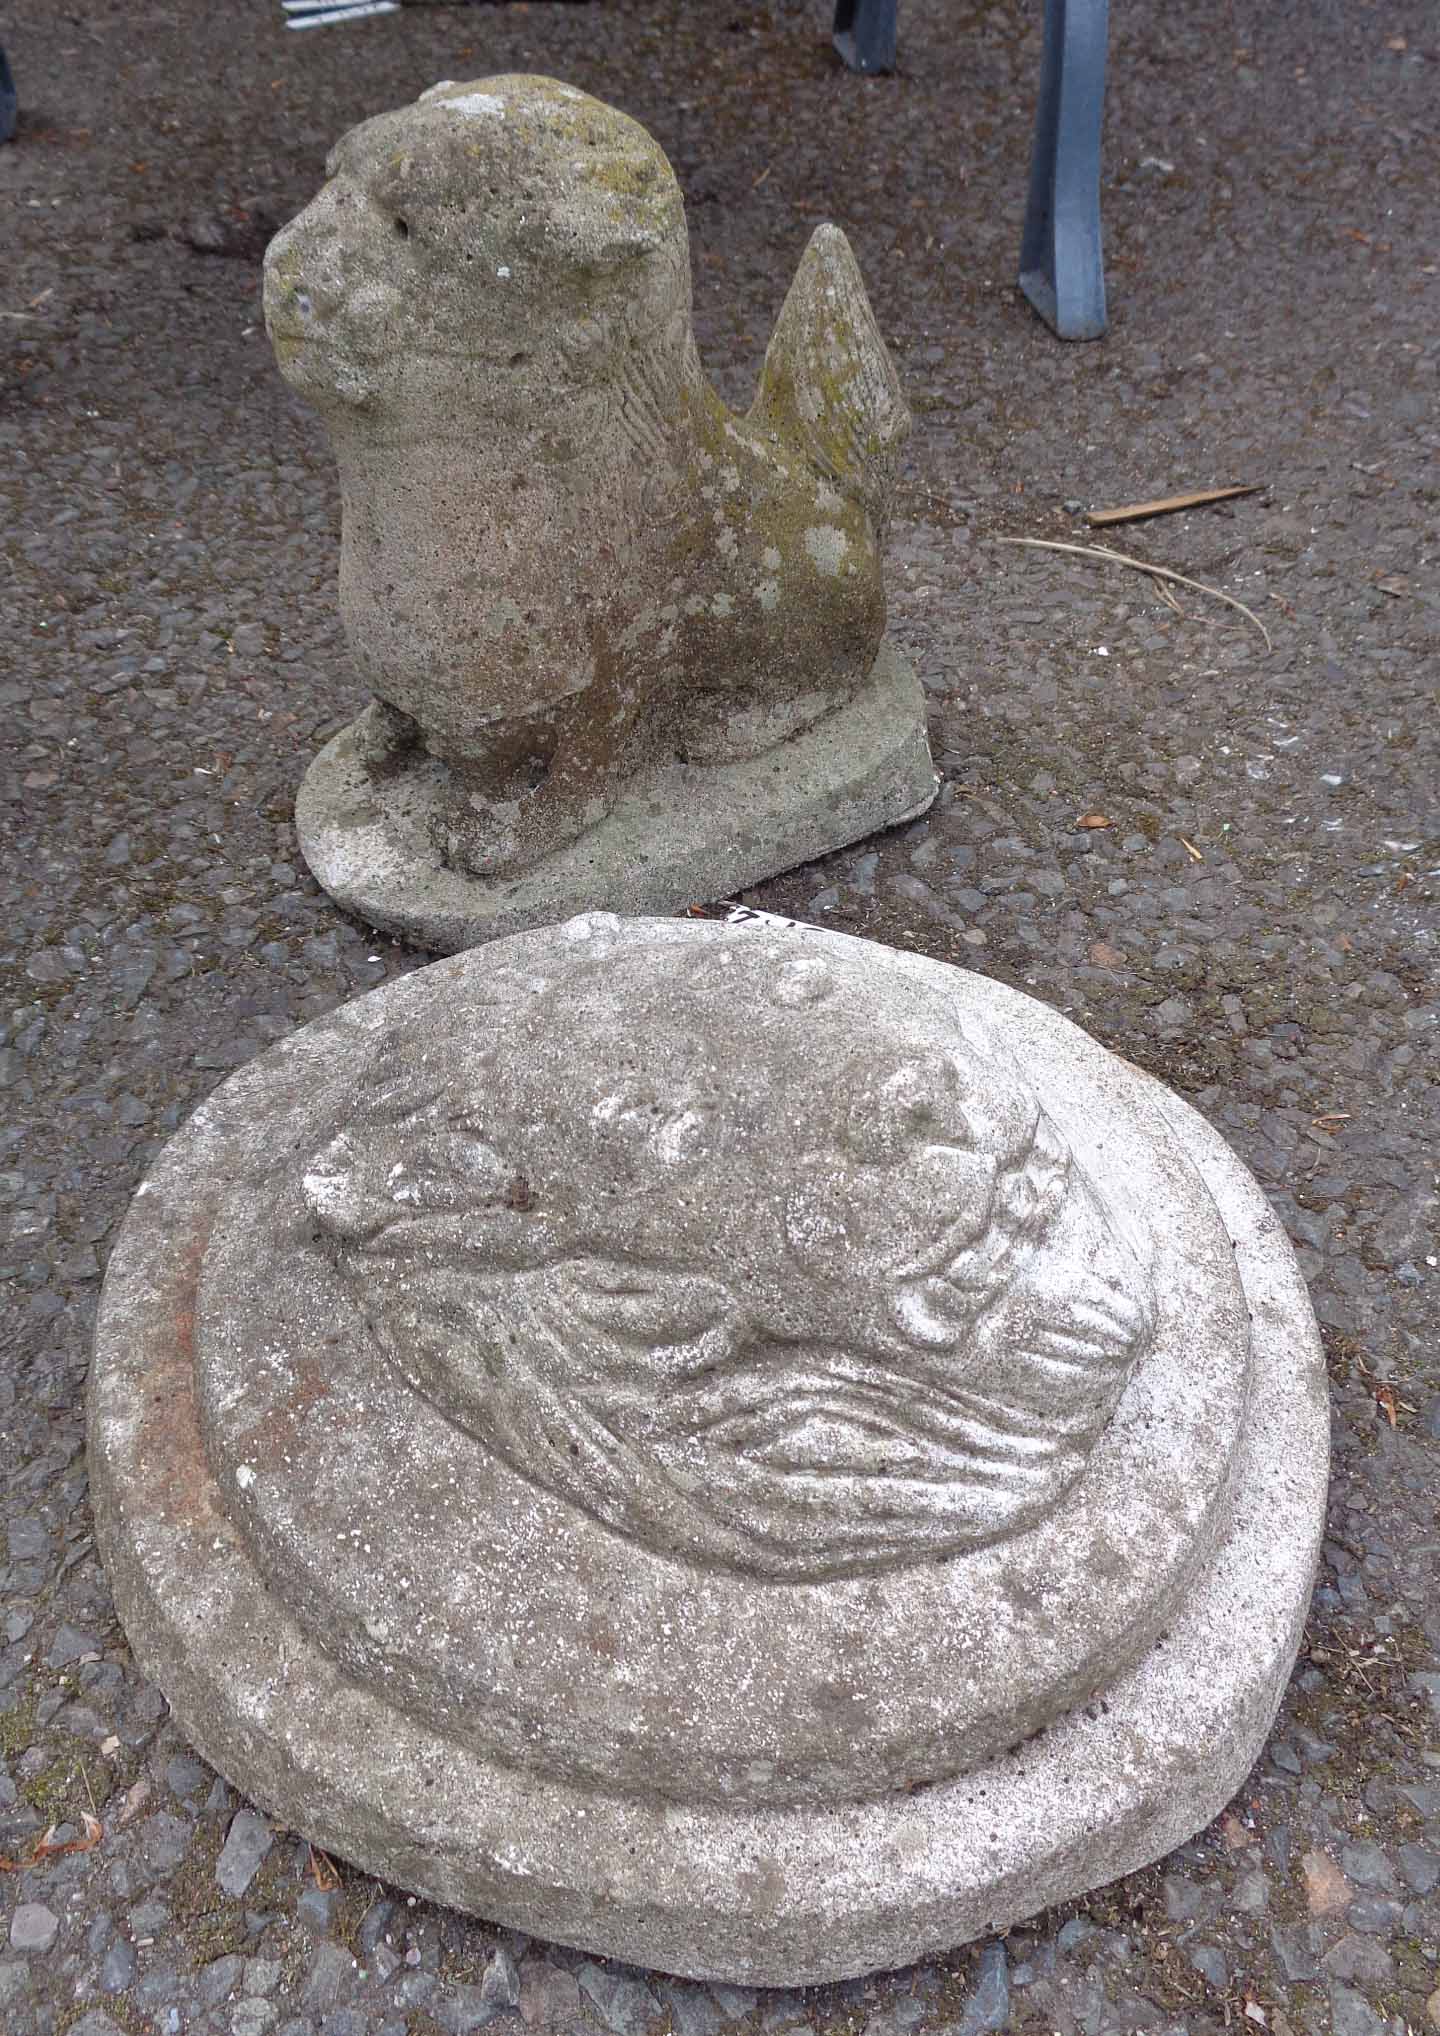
{"x": 626, "y": 648}
{"x": 736, "y": 1449}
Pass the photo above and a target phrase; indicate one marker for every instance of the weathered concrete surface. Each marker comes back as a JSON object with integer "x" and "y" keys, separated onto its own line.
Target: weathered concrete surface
{"x": 566, "y": 568}
{"x": 434, "y": 1479}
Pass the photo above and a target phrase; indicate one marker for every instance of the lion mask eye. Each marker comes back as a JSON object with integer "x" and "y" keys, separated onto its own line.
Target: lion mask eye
{"x": 919, "y": 1102}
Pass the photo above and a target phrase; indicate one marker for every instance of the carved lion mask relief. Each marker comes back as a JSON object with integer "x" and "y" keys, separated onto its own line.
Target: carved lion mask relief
{"x": 748, "y": 1270}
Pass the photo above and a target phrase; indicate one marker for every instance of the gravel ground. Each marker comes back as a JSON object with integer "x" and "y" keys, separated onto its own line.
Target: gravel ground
{"x": 1256, "y": 923}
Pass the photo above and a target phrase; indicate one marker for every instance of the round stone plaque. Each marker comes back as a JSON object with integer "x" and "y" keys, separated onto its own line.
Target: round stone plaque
{"x": 728, "y": 1446}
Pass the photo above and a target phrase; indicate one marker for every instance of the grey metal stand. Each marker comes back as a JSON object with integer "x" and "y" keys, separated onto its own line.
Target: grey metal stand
{"x": 865, "y": 33}
{"x": 8, "y": 104}
{"x": 1062, "y": 269}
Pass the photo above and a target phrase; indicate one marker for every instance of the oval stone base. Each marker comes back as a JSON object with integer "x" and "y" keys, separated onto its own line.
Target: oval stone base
{"x": 770, "y": 1893}
{"x": 681, "y": 834}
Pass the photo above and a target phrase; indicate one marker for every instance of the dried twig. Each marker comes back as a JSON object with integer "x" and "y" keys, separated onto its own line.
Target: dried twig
{"x": 49, "y": 1847}
{"x": 1140, "y": 565}
{"x": 1164, "y": 504}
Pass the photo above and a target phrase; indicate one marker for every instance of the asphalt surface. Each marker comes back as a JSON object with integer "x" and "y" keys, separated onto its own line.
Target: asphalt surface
{"x": 1256, "y": 922}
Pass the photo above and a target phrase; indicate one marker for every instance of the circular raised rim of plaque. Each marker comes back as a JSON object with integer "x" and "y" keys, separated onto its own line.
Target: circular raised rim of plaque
{"x": 786, "y": 1893}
